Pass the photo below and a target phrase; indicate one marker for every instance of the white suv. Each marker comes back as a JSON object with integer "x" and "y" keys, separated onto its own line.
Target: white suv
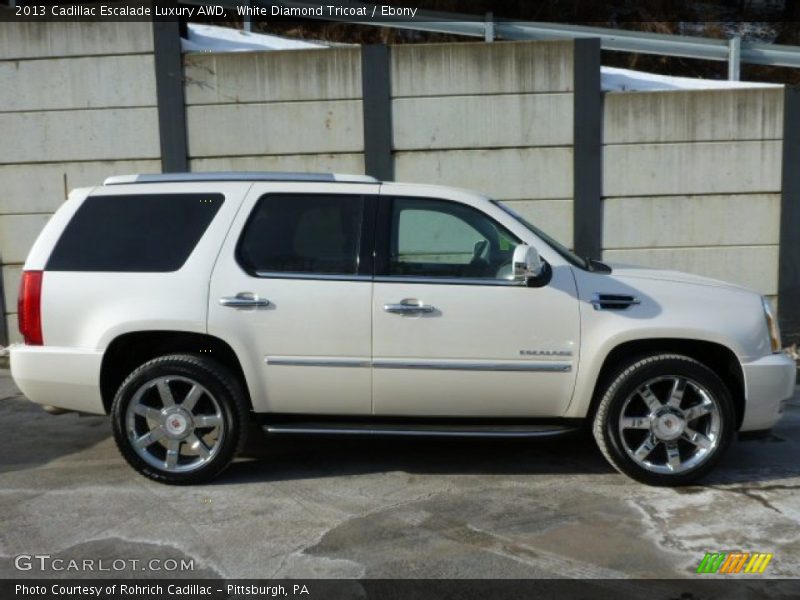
{"x": 191, "y": 305}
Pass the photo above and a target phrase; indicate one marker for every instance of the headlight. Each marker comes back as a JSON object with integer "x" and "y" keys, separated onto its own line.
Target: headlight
{"x": 772, "y": 326}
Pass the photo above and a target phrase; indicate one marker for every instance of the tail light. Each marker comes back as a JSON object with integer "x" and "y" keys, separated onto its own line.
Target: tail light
{"x": 29, "y": 307}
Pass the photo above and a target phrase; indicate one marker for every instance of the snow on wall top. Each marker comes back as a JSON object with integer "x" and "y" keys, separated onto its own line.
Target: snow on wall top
{"x": 210, "y": 38}
{"x": 626, "y": 80}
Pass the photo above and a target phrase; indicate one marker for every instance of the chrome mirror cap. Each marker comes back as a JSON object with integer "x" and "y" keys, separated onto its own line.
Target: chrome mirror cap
{"x": 527, "y": 264}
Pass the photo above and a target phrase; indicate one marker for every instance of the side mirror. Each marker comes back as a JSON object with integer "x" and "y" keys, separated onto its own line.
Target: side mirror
{"x": 526, "y": 264}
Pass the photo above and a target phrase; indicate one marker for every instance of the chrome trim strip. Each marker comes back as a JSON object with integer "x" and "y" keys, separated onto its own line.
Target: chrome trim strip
{"x": 298, "y": 361}
{"x": 449, "y": 281}
{"x": 282, "y": 429}
{"x": 432, "y": 365}
{"x": 269, "y": 176}
{"x": 312, "y": 276}
{"x": 386, "y": 279}
{"x": 442, "y": 365}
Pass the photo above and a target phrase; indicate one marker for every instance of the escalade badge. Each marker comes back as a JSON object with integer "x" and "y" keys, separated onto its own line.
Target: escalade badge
{"x": 545, "y": 352}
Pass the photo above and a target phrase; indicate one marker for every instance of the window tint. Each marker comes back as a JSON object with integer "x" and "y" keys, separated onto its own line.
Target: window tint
{"x": 294, "y": 233}
{"x": 135, "y": 233}
{"x": 436, "y": 238}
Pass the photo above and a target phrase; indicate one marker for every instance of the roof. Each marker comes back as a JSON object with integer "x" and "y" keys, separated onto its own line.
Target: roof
{"x": 238, "y": 176}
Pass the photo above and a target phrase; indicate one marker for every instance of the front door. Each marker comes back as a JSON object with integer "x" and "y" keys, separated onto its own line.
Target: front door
{"x": 291, "y": 293}
{"x": 452, "y": 336}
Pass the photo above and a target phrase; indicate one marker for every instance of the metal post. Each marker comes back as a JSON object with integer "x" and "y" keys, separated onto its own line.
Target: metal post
{"x": 488, "y": 35}
{"x": 789, "y": 244}
{"x": 169, "y": 96}
{"x": 248, "y": 22}
{"x": 376, "y": 91}
{"x": 734, "y": 58}
{"x": 587, "y": 173}
{"x": 4, "y": 335}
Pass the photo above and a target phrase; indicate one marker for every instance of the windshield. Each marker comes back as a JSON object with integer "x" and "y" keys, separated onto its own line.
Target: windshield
{"x": 562, "y": 250}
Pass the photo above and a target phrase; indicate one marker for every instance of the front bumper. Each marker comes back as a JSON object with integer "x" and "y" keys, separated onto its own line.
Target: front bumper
{"x": 67, "y": 378}
{"x": 768, "y": 383}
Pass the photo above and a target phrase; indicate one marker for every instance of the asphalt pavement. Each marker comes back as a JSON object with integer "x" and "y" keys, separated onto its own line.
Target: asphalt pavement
{"x": 351, "y": 507}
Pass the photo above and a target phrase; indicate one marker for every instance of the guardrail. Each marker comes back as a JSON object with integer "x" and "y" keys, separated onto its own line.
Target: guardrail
{"x": 734, "y": 51}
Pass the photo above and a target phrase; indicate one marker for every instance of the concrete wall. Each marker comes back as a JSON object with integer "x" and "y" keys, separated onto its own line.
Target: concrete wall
{"x": 289, "y": 111}
{"x": 490, "y": 117}
{"x": 692, "y": 181}
{"x": 77, "y": 103}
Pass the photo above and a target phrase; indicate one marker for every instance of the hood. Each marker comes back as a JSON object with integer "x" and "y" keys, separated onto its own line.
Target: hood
{"x": 636, "y": 272}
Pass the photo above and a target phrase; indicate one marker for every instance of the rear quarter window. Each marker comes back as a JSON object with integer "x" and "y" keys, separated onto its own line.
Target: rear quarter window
{"x": 152, "y": 233}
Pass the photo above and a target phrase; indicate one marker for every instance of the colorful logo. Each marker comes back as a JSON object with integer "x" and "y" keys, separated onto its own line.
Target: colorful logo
{"x": 730, "y": 563}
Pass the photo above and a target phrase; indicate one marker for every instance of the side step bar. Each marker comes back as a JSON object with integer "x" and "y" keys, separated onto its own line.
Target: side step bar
{"x": 494, "y": 431}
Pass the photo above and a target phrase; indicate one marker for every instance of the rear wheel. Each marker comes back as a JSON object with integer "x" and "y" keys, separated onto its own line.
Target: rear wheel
{"x": 180, "y": 419}
{"x": 665, "y": 419}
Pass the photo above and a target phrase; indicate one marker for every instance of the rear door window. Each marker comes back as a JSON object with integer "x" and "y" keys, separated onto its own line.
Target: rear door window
{"x": 145, "y": 233}
{"x": 303, "y": 233}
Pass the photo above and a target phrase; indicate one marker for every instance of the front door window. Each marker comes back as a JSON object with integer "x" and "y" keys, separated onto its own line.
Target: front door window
{"x": 436, "y": 238}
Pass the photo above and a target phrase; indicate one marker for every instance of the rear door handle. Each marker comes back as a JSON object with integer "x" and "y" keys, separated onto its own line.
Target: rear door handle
{"x": 409, "y": 306}
{"x": 244, "y": 300}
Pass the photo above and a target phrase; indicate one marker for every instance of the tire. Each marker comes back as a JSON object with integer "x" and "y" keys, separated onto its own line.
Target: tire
{"x": 664, "y": 420}
{"x": 189, "y": 415}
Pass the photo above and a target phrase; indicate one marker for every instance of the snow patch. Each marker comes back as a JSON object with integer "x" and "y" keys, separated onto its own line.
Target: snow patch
{"x": 210, "y": 38}
{"x": 626, "y": 80}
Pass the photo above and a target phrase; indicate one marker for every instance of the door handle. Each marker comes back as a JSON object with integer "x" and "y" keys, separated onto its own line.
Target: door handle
{"x": 409, "y": 306}
{"x": 244, "y": 300}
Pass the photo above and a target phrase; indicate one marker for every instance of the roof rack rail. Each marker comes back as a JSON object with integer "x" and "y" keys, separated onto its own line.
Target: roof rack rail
{"x": 237, "y": 176}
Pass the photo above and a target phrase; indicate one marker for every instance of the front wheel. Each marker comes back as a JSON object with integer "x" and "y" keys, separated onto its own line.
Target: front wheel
{"x": 665, "y": 419}
{"x": 180, "y": 419}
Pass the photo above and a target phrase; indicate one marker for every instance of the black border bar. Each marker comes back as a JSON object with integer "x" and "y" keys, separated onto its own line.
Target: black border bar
{"x": 555, "y": 11}
{"x": 700, "y": 587}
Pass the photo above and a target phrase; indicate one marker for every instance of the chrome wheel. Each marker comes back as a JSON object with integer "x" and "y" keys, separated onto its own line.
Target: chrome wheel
{"x": 175, "y": 424}
{"x": 670, "y": 424}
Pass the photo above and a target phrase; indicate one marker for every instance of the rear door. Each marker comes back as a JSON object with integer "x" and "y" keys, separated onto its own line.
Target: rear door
{"x": 291, "y": 293}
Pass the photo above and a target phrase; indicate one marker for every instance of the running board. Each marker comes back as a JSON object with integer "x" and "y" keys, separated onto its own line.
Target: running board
{"x": 494, "y": 431}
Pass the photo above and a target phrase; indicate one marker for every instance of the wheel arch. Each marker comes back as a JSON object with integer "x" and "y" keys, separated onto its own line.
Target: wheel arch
{"x": 718, "y": 357}
{"x": 129, "y": 350}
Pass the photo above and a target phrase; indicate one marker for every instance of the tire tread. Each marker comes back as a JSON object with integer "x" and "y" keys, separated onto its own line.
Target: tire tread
{"x": 239, "y": 409}
{"x": 618, "y": 379}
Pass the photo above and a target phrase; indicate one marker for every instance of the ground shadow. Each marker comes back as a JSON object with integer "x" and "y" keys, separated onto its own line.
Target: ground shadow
{"x": 275, "y": 458}
{"x": 34, "y": 437}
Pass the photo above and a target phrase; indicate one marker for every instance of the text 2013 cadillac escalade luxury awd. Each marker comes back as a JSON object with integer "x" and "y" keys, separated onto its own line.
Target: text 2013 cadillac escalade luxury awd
{"x": 188, "y": 306}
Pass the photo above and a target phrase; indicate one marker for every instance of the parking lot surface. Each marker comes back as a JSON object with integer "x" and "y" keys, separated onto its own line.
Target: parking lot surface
{"x": 369, "y": 507}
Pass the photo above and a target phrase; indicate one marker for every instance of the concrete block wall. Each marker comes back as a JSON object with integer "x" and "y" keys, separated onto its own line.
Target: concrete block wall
{"x": 491, "y": 117}
{"x": 497, "y": 118}
{"x": 275, "y": 111}
{"x": 77, "y": 103}
{"x": 692, "y": 181}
